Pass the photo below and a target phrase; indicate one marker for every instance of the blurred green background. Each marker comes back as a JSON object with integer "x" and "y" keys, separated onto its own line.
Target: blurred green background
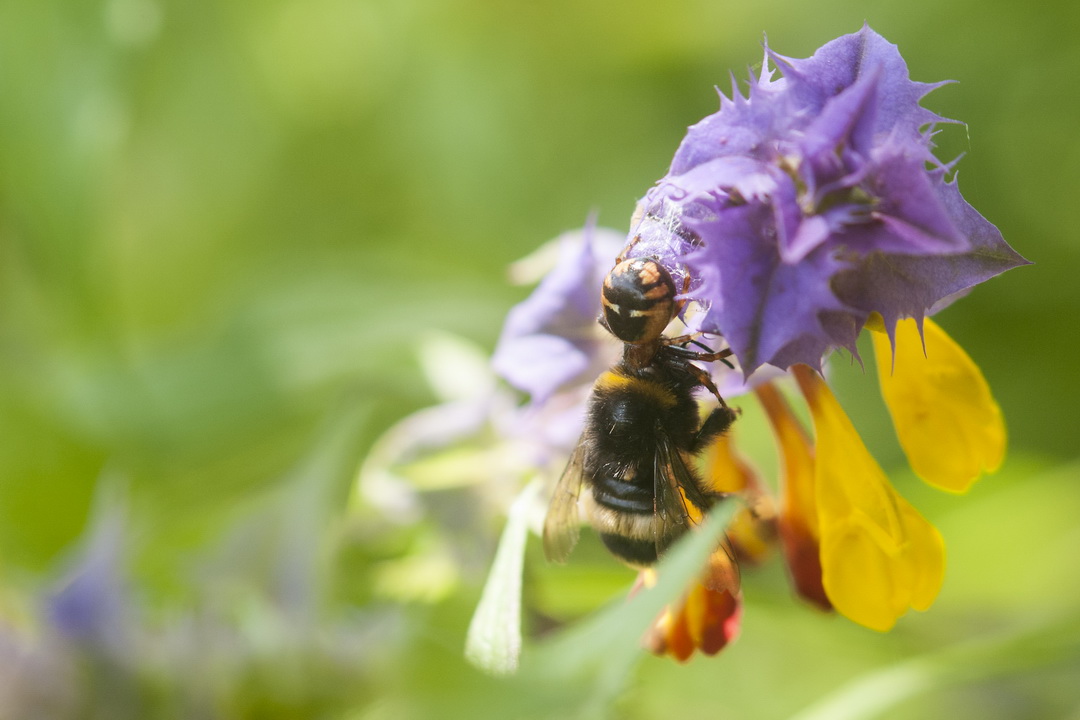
{"x": 225, "y": 229}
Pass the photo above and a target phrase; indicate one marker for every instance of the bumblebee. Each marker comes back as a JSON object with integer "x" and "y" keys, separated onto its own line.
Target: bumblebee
{"x": 642, "y": 428}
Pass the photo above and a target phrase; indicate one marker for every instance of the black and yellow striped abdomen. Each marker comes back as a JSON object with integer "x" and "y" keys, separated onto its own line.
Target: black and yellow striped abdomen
{"x": 630, "y": 414}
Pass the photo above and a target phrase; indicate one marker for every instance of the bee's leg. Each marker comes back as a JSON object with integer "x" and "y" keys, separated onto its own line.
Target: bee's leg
{"x": 718, "y": 422}
{"x": 622, "y": 255}
{"x": 700, "y": 375}
{"x": 713, "y": 356}
{"x": 685, "y": 289}
{"x": 676, "y": 344}
{"x": 721, "y": 355}
{"x": 681, "y": 340}
{"x": 703, "y": 346}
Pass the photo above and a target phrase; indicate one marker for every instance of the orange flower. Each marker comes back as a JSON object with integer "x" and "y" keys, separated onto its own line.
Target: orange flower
{"x": 752, "y": 531}
{"x": 798, "y": 520}
{"x": 706, "y": 618}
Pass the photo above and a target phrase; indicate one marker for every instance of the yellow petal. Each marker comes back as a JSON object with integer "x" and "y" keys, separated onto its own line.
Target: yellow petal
{"x": 726, "y": 472}
{"x": 859, "y": 576}
{"x": 752, "y": 530}
{"x": 926, "y": 554}
{"x": 796, "y": 455}
{"x": 945, "y": 416}
{"x": 797, "y": 520}
{"x": 879, "y": 556}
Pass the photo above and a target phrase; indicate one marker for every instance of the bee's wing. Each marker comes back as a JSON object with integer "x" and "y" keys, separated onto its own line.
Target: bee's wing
{"x": 675, "y": 487}
{"x": 561, "y": 524}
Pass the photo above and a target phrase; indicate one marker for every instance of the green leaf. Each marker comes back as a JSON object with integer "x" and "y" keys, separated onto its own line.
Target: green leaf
{"x": 593, "y": 660}
{"x": 493, "y": 642}
{"x": 1043, "y": 642}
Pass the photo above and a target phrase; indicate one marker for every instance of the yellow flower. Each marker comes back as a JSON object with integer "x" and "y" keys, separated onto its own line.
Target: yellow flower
{"x": 879, "y": 556}
{"x": 945, "y": 417}
{"x": 753, "y": 529}
{"x": 850, "y": 540}
{"x": 797, "y": 521}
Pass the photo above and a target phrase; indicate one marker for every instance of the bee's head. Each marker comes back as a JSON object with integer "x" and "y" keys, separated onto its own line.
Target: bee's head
{"x": 639, "y": 300}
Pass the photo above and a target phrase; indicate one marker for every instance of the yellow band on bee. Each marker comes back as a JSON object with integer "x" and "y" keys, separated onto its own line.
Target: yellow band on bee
{"x": 656, "y": 392}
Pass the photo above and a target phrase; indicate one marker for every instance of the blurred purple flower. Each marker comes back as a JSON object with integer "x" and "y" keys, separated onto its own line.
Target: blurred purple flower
{"x": 814, "y": 201}
{"x": 552, "y": 340}
{"x": 92, "y": 607}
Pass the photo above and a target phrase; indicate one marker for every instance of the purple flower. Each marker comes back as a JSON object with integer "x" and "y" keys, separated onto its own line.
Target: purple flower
{"x": 793, "y": 217}
{"x": 91, "y": 606}
{"x": 552, "y": 340}
{"x": 814, "y": 201}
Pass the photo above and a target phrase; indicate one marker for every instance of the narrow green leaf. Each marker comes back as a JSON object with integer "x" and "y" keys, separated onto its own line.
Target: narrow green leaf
{"x": 1025, "y": 647}
{"x": 597, "y": 655}
{"x": 493, "y": 643}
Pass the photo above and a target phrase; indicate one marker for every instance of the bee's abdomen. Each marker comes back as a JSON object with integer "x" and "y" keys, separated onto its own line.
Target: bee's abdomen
{"x": 623, "y": 418}
{"x": 625, "y": 495}
{"x": 624, "y": 516}
{"x": 637, "y": 552}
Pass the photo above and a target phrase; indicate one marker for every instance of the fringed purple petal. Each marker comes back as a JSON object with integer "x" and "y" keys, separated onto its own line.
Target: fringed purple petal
{"x": 840, "y": 64}
{"x": 899, "y": 286}
{"x": 768, "y": 310}
{"x": 814, "y": 200}
{"x": 738, "y": 128}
